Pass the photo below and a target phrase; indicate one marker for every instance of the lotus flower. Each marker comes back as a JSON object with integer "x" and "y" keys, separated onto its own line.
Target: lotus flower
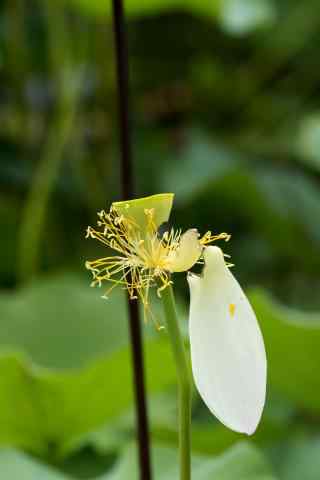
{"x": 227, "y": 350}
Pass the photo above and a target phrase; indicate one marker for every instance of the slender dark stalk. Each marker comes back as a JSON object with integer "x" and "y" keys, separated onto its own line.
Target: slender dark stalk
{"x": 128, "y": 193}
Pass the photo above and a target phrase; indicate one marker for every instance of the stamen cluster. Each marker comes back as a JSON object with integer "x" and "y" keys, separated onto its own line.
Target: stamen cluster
{"x": 143, "y": 258}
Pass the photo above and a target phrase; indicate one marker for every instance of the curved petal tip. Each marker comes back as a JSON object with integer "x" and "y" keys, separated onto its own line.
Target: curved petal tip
{"x": 227, "y": 349}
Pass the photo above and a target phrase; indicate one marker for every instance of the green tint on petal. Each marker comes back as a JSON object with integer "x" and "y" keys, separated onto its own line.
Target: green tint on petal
{"x": 135, "y": 209}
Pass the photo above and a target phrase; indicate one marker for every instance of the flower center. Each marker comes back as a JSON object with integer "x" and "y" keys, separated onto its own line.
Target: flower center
{"x": 143, "y": 259}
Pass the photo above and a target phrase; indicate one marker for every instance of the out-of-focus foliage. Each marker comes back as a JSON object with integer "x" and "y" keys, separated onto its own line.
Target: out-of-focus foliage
{"x": 63, "y": 394}
{"x": 144, "y": 7}
{"x": 298, "y": 335}
{"x": 225, "y": 113}
{"x": 243, "y": 461}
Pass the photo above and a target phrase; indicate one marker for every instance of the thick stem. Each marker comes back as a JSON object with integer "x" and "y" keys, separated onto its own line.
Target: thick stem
{"x": 184, "y": 384}
{"x": 122, "y": 65}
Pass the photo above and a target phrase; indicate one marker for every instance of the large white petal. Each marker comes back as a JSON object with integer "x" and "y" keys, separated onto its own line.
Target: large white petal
{"x": 227, "y": 349}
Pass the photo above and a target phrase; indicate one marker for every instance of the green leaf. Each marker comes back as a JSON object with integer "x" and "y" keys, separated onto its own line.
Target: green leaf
{"x": 243, "y": 462}
{"x": 42, "y": 410}
{"x": 47, "y": 318}
{"x": 212, "y": 438}
{"x": 302, "y": 460}
{"x": 77, "y": 346}
{"x": 292, "y": 341}
{"x": 16, "y": 465}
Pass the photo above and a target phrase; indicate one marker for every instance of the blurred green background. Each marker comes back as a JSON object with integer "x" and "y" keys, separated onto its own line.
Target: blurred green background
{"x": 226, "y": 114}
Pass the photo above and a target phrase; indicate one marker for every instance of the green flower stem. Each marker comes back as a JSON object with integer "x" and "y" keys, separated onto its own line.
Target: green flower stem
{"x": 184, "y": 384}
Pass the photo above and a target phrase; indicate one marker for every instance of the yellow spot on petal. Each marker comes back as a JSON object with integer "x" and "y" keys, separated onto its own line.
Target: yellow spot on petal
{"x": 232, "y": 309}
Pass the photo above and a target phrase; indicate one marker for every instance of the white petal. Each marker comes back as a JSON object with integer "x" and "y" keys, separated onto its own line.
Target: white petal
{"x": 188, "y": 253}
{"x": 227, "y": 350}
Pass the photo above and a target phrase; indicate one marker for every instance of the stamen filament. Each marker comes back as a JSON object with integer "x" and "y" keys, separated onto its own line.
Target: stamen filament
{"x": 143, "y": 259}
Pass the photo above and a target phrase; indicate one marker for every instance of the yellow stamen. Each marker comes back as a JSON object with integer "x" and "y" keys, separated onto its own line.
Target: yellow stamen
{"x": 143, "y": 259}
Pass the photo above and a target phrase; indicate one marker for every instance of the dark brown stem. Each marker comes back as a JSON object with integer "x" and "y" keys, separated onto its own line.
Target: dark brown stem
{"x": 128, "y": 193}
